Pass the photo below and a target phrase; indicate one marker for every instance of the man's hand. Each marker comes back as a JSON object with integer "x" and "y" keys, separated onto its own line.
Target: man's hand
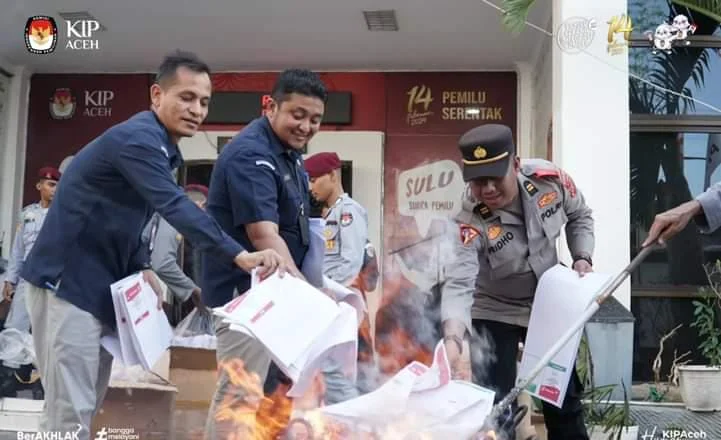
{"x": 268, "y": 259}
{"x": 669, "y": 223}
{"x": 582, "y": 267}
{"x": 198, "y": 302}
{"x": 8, "y": 291}
{"x": 454, "y": 351}
{"x": 150, "y": 278}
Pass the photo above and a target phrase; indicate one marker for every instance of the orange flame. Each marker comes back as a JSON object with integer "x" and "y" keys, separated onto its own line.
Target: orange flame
{"x": 253, "y": 417}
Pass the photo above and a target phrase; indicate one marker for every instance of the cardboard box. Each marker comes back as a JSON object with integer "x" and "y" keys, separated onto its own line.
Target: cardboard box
{"x": 145, "y": 409}
{"x": 20, "y": 414}
{"x": 194, "y": 372}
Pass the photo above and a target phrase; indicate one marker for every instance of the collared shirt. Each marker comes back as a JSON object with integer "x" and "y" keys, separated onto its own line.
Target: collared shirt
{"x": 30, "y": 222}
{"x": 256, "y": 178}
{"x": 164, "y": 257}
{"x": 501, "y": 254}
{"x": 92, "y": 233}
{"x": 346, "y": 234}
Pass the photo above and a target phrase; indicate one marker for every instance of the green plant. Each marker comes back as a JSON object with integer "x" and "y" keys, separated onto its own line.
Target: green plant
{"x": 598, "y": 409}
{"x": 705, "y": 312}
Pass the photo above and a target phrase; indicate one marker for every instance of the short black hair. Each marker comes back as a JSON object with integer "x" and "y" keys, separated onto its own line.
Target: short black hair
{"x": 172, "y": 62}
{"x": 301, "y": 81}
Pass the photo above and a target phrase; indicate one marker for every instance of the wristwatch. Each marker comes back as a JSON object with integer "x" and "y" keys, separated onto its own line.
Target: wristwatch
{"x": 584, "y": 258}
{"x": 457, "y": 339}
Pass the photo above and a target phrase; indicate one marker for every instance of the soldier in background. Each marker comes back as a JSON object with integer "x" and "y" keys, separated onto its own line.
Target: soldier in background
{"x": 31, "y": 220}
{"x": 508, "y": 228}
{"x": 346, "y": 238}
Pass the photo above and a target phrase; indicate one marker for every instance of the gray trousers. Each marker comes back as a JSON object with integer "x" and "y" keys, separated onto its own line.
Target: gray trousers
{"x": 18, "y": 317}
{"x": 74, "y": 368}
{"x": 236, "y": 353}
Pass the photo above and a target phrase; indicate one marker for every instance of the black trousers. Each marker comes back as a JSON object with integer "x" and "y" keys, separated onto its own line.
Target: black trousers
{"x": 499, "y": 374}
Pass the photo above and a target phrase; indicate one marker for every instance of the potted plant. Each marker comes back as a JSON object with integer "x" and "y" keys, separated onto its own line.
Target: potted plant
{"x": 701, "y": 384}
{"x": 605, "y": 420}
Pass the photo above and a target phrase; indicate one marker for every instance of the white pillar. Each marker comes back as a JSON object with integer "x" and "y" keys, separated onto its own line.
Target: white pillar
{"x": 525, "y": 105}
{"x": 12, "y": 152}
{"x": 591, "y": 131}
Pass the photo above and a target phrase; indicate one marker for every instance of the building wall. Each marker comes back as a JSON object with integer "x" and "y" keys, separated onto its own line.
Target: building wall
{"x": 543, "y": 100}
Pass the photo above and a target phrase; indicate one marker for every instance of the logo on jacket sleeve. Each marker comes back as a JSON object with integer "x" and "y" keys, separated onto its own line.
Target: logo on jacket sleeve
{"x": 468, "y": 234}
{"x": 41, "y": 34}
{"x": 346, "y": 219}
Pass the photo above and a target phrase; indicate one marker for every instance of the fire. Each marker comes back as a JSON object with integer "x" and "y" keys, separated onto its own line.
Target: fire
{"x": 254, "y": 417}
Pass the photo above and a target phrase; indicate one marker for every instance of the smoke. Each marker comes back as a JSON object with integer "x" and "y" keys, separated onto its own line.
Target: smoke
{"x": 408, "y": 322}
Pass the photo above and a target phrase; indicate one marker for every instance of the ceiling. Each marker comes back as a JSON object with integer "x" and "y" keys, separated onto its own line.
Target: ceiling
{"x": 242, "y": 35}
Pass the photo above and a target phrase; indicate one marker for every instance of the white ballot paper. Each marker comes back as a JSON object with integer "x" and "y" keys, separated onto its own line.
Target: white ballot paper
{"x": 420, "y": 400}
{"x": 143, "y": 332}
{"x": 298, "y": 324}
{"x": 561, "y": 298}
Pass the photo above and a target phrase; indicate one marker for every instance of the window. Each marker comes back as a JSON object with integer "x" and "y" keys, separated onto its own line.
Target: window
{"x": 670, "y": 141}
{"x": 668, "y": 169}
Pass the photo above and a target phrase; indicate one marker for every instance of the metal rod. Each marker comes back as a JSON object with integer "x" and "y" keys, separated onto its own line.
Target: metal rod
{"x": 607, "y": 291}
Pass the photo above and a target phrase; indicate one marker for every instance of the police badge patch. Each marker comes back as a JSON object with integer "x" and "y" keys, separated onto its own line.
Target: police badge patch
{"x": 468, "y": 234}
{"x": 346, "y": 219}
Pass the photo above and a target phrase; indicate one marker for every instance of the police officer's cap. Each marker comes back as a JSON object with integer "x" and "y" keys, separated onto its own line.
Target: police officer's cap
{"x": 48, "y": 173}
{"x": 486, "y": 151}
{"x": 322, "y": 163}
{"x": 202, "y": 189}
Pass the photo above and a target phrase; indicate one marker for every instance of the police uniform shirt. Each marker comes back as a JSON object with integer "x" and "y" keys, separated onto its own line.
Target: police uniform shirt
{"x": 92, "y": 233}
{"x": 256, "y": 178}
{"x": 504, "y": 254}
{"x": 164, "y": 259}
{"x": 346, "y": 234}
{"x": 29, "y": 223}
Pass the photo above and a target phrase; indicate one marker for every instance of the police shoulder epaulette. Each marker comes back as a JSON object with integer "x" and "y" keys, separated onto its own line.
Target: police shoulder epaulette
{"x": 483, "y": 210}
{"x": 545, "y": 172}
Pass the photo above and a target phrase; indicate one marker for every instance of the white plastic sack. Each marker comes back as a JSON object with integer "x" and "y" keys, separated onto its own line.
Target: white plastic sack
{"x": 16, "y": 348}
{"x": 195, "y": 331}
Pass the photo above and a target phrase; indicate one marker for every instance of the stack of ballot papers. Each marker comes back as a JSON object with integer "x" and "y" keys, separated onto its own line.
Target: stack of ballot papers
{"x": 419, "y": 400}
{"x": 299, "y": 325}
{"x": 143, "y": 331}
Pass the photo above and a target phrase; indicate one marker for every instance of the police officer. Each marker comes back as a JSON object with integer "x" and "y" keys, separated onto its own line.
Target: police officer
{"x": 259, "y": 195}
{"x": 166, "y": 242}
{"x": 512, "y": 215}
{"x": 92, "y": 238}
{"x": 346, "y": 233}
{"x": 29, "y": 224}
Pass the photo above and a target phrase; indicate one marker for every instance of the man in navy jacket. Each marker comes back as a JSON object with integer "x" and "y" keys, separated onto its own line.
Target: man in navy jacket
{"x": 92, "y": 238}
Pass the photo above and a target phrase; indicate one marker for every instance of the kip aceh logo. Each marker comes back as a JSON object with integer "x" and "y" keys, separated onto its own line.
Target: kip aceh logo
{"x": 41, "y": 34}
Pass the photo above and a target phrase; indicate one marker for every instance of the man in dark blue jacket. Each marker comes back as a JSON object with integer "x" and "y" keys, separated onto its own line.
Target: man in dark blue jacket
{"x": 92, "y": 238}
{"x": 259, "y": 195}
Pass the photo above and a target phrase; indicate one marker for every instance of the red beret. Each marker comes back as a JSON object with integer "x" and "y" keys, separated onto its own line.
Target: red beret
{"x": 321, "y": 163}
{"x": 197, "y": 188}
{"x": 49, "y": 173}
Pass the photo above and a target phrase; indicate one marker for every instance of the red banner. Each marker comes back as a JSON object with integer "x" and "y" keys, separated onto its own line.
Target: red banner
{"x": 449, "y": 103}
{"x": 68, "y": 111}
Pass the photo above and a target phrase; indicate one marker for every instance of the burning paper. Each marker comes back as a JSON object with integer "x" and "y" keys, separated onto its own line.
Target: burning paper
{"x": 419, "y": 401}
{"x": 321, "y": 328}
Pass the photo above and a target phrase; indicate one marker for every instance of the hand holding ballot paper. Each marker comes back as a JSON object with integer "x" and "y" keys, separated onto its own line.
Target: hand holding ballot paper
{"x": 143, "y": 332}
{"x": 561, "y": 296}
{"x": 320, "y": 327}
